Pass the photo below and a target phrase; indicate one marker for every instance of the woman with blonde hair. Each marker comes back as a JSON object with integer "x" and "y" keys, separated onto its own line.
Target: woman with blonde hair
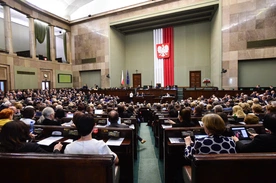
{"x": 238, "y": 112}
{"x": 214, "y": 143}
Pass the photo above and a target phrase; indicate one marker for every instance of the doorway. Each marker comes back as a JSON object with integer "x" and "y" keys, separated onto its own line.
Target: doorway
{"x": 3, "y": 86}
{"x": 136, "y": 80}
{"x": 195, "y": 79}
{"x": 45, "y": 85}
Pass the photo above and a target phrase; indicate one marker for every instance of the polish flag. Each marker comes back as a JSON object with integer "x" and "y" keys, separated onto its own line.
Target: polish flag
{"x": 122, "y": 80}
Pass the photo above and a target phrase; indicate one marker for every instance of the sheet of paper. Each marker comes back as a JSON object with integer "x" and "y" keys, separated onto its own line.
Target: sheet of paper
{"x": 115, "y": 141}
{"x": 132, "y": 126}
{"x": 176, "y": 140}
{"x": 68, "y": 141}
{"x": 48, "y": 141}
{"x": 100, "y": 126}
{"x": 166, "y": 126}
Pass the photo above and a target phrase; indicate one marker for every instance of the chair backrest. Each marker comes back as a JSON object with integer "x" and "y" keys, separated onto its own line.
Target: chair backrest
{"x": 229, "y": 168}
{"x": 56, "y": 168}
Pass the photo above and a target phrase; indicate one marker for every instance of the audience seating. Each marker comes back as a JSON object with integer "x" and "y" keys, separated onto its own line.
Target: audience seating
{"x": 229, "y": 168}
{"x": 57, "y": 168}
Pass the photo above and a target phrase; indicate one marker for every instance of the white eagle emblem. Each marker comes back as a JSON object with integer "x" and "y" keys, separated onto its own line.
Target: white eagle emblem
{"x": 163, "y": 50}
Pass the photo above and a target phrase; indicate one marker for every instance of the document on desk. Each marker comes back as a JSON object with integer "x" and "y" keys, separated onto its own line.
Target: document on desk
{"x": 48, "y": 141}
{"x": 166, "y": 126}
{"x": 115, "y": 141}
{"x": 68, "y": 141}
{"x": 176, "y": 140}
{"x": 132, "y": 126}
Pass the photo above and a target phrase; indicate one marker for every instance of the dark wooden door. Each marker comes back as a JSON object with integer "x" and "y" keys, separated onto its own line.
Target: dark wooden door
{"x": 195, "y": 79}
{"x": 136, "y": 80}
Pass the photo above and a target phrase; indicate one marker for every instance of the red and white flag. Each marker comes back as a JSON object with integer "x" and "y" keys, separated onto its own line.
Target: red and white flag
{"x": 163, "y": 40}
{"x": 122, "y": 79}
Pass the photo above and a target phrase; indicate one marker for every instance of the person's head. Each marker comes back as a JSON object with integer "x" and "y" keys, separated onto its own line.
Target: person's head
{"x": 213, "y": 124}
{"x": 209, "y": 107}
{"x": 113, "y": 117}
{"x": 28, "y": 113}
{"x": 85, "y": 124}
{"x": 76, "y": 117}
{"x": 271, "y": 109}
{"x": 6, "y": 114}
{"x": 251, "y": 119}
{"x": 185, "y": 115}
{"x": 218, "y": 108}
{"x": 13, "y": 135}
{"x": 270, "y": 122}
{"x": 198, "y": 110}
{"x": 237, "y": 110}
{"x": 48, "y": 112}
{"x": 223, "y": 116}
{"x": 257, "y": 108}
{"x": 173, "y": 113}
{"x": 60, "y": 113}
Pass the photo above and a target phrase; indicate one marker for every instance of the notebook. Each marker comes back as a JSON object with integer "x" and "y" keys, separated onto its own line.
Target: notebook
{"x": 242, "y": 134}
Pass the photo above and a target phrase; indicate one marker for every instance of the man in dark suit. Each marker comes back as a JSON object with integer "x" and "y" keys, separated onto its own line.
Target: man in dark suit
{"x": 113, "y": 118}
{"x": 49, "y": 117}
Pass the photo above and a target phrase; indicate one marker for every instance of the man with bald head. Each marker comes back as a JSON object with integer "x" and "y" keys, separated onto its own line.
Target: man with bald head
{"x": 113, "y": 118}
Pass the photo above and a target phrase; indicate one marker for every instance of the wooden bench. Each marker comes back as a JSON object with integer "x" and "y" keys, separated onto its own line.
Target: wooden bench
{"x": 57, "y": 168}
{"x": 229, "y": 168}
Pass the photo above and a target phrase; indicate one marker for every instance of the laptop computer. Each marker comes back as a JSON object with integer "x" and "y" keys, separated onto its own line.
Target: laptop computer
{"x": 241, "y": 133}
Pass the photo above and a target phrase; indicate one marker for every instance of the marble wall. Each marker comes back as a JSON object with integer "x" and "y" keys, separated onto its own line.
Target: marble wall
{"x": 91, "y": 39}
{"x": 243, "y": 21}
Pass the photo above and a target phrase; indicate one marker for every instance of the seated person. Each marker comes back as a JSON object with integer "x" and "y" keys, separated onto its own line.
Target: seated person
{"x": 261, "y": 142}
{"x": 14, "y": 136}
{"x": 251, "y": 119}
{"x": 215, "y": 143}
{"x": 86, "y": 144}
{"x": 113, "y": 118}
{"x": 28, "y": 115}
{"x": 184, "y": 119}
{"x": 6, "y": 115}
{"x": 49, "y": 117}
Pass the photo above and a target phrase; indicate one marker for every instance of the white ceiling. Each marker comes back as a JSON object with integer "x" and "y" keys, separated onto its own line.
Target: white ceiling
{"x": 76, "y": 9}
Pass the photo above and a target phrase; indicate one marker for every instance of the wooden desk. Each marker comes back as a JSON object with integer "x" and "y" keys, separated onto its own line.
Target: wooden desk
{"x": 57, "y": 168}
{"x": 125, "y": 151}
{"x": 174, "y": 153}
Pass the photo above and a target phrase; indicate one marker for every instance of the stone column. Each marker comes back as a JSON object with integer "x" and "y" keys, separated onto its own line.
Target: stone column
{"x": 32, "y": 37}
{"x": 52, "y": 43}
{"x": 68, "y": 46}
{"x": 8, "y": 29}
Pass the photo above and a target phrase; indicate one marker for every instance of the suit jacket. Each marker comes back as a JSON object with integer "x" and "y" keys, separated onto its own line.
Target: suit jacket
{"x": 260, "y": 143}
{"x": 118, "y": 125}
{"x": 47, "y": 121}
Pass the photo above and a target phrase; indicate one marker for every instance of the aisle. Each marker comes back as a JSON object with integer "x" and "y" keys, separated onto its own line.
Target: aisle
{"x": 146, "y": 168}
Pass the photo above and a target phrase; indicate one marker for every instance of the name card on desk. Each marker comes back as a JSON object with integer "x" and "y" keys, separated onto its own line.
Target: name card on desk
{"x": 166, "y": 126}
{"x": 115, "y": 141}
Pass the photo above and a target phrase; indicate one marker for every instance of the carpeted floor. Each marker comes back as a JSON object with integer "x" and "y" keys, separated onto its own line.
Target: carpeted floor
{"x": 147, "y": 167}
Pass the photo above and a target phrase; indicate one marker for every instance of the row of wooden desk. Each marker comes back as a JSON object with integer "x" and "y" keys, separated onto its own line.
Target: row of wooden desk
{"x": 172, "y": 154}
{"x": 126, "y": 151}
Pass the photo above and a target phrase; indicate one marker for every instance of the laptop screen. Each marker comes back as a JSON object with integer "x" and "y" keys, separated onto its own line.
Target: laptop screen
{"x": 98, "y": 111}
{"x": 240, "y": 132}
{"x": 69, "y": 115}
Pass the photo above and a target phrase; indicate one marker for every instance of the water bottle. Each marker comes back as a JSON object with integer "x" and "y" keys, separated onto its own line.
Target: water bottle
{"x": 31, "y": 126}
